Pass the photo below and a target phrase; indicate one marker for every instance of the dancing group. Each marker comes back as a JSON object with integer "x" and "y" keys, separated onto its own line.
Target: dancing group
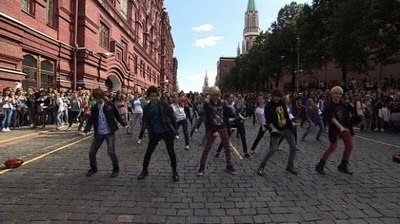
{"x": 220, "y": 119}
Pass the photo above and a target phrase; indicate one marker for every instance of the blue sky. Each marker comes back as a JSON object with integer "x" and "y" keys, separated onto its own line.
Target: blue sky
{"x": 204, "y": 30}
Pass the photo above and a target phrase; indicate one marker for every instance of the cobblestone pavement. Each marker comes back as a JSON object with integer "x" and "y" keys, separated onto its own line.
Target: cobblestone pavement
{"x": 54, "y": 189}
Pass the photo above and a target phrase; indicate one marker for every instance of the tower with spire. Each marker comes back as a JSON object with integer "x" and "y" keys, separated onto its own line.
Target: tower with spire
{"x": 251, "y": 26}
{"x": 205, "y": 85}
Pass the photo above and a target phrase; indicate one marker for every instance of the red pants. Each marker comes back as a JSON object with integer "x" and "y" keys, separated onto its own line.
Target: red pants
{"x": 348, "y": 146}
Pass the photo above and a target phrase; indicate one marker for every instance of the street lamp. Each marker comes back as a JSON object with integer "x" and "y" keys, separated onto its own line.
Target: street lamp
{"x": 298, "y": 64}
{"x": 164, "y": 83}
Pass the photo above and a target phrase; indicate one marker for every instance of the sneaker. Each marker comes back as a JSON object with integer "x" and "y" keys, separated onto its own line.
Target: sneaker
{"x": 260, "y": 171}
{"x": 187, "y": 147}
{"x": 291, "y": 170}
{"x": 139, "y": 141}
{"x": 302, "y": 139}
{"x": 382, "y": 130}
{"x": 143, "y": 175}
{"x": 196, "y": 130}
{"x": 115, "y": 173}
{"x": 376, "y": 129}
{"x": 231, "y": 170}
{"x": 8, "y": 129}
{"x": 200, "y": 172}
{"x": 175, "y": 177}
{"x": 3, "y": 130}
{"x": 251, "y": 152}
{"x": 91, "y": 172}
{"x": 177, "y": 137}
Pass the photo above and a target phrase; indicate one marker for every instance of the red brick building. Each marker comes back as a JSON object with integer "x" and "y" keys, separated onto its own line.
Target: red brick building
{"x": 114, "y": 44}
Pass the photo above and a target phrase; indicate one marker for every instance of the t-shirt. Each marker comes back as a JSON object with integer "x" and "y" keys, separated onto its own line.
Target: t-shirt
{"x": 179, "y": 112}
{"x": 276, "y": 114}
{"x": 199, "y": 107}
{"x": 340, "y": 112}
{"x": 215, "y": 116}
{"x": 158, "y": 126}
{"x": 137, "y": 106}
{"x": 260, "y": 113}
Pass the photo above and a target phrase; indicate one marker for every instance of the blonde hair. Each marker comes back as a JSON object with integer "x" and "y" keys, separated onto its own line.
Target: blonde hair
{"x": 337, "y": 89}
{"x": 214, "y": 90}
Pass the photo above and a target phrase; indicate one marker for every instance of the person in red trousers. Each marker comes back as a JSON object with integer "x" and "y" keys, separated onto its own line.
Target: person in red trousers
{"x": 340, "y": 126}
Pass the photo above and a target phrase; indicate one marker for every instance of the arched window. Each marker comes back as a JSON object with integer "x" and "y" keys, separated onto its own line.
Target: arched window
{"x": 29, "y": 67}
{"x": 47, "y": 77}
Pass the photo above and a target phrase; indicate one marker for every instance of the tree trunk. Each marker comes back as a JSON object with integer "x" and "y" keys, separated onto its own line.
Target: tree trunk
{"x": 277, "y": 80}
{"x": 344, "y": 74}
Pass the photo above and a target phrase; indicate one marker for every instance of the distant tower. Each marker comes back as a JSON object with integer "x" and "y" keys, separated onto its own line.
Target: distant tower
{"x": 238, "y": 49}
{"x": 205, "y": 85}
{"x": 251, "y": 26}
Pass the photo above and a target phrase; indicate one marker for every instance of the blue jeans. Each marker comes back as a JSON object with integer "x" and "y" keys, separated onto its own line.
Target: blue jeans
{"x": 94, "y": 147}
{"x": 318, "y": 123}
{"x": 197, "y": 123}
{"x": 59, "y": 121}
{"x": 7, "y": 118}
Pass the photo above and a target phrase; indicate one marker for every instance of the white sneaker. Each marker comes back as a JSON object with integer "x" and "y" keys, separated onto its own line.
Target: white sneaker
{"x": 177, "y": 137}
{"x": 187, "y": 147}
{"x": 139, "y": 141}
{"x": 3, "y": 130}
{"x": 8, "y": 129}
{"x": 382, "y": 130}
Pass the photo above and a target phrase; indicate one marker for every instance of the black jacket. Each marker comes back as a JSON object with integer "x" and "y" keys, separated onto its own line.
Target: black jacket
{"x": 167, "y": 118}
{"x": 111, "y": 113}
{"x": 277, "y": 114}
{"x": 217, "y": 117}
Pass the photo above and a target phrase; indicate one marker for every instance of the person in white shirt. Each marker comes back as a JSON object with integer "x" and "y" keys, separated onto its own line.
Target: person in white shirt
{"x": 260, "y": 115}
{"x": 7, "y": 110}
{"x": 137, "y": 111}
{"x": 180, "y": 115}
{"x": 60, "y": 111}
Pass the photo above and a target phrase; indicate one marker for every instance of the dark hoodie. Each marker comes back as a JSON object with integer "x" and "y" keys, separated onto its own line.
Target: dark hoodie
{"x": 277, "y": 114}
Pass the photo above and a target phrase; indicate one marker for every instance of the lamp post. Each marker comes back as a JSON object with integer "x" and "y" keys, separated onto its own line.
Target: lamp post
{"x": 164, "y": 84}
{"x": 298, "y": 64}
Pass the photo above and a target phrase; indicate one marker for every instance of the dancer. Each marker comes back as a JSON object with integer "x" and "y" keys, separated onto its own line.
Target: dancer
{"x": 216, "y": 124}
{"x": 102, "y": 118}
{"x": 279, "y": 123}
{"x": 338, "y": 118}
{"x": 314, "y": 119}
{"x": 181, "y": 120}
{"x": 160, "y": 123}
{"x": 236, "y": 120}
{"x": 261, "y": 122}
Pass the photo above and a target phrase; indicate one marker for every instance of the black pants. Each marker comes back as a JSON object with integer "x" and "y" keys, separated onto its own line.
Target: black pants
{"x": 258, "y": 138}
{"x": 169, "y": 143}
{"x": 184, "y": 125}
{"x": 242, "y": 132}
{"x": 294, "y": 130}
{"x": 188, "y": 116}
{"x": 72, "y": 117}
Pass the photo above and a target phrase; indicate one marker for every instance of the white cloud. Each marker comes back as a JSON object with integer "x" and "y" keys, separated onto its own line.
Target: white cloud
{"x": 203, "y": 28}
{"x": 209, "y": 41}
